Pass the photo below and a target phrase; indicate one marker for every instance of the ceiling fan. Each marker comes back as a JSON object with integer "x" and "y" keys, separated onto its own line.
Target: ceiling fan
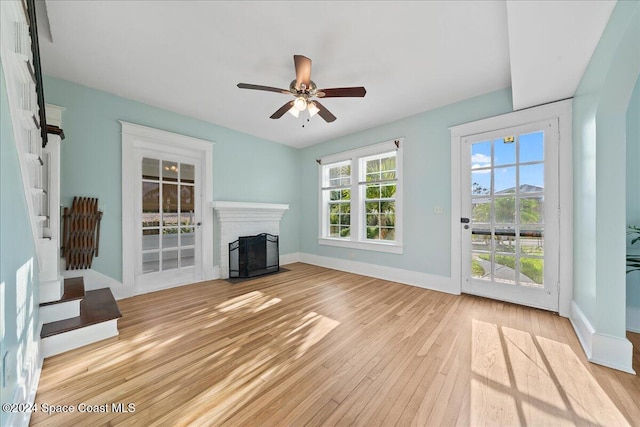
{"x": 304, "y": 89}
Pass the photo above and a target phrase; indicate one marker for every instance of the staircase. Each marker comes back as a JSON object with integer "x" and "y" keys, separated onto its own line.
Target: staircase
{"x": 79, "y": 318}
{"x": 71, "y": 316}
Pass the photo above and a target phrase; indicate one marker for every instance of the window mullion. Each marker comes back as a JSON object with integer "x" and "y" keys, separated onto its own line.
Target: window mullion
{"x": 356, "y": 201}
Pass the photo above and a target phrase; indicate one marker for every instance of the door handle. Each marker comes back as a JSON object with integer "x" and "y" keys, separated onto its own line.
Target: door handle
{"x": 198, "y": 224}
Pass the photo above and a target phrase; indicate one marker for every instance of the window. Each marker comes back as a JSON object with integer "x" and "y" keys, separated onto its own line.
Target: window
{"x": 361, "y": 198}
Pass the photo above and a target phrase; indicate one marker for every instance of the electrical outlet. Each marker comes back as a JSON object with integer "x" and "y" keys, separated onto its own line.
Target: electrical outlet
{"x": 438, "y": 209}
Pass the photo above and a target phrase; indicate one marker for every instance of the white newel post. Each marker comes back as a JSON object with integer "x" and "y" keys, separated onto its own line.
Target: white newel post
{"x": 236, "y": 219}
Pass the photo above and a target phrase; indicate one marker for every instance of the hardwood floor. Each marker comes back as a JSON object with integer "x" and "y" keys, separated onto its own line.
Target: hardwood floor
{"x": 313, "y": 346}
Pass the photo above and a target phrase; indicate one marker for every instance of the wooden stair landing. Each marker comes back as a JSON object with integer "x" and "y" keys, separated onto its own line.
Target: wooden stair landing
{"x": 73, "y": 290}
{"x": 97, "y": 306}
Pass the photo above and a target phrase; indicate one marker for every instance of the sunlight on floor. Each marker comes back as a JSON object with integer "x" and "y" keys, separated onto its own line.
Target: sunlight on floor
{"x": 516, "y": 379}
{"x": 290, "y": 337}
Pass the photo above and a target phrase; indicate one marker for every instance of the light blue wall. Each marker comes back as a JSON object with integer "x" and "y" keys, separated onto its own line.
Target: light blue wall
{"x": 245, "y": 168}
{"x": 599, "y": 146}
{"x": 633, "y": 186}
{"x": 427, "y": 170}
{"x": 18, "y": 270}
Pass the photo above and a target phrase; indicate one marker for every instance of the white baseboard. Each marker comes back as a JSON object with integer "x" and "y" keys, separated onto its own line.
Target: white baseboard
{"x": 633, "y": 319}
{"x": 407, "y": 277}
{"x": 583, "y": 329}
{"x": 66, "y": 341}
{"x": 603, "y": 349}
{"x": 289, "y": 258}
{"x": 94, "y": 280}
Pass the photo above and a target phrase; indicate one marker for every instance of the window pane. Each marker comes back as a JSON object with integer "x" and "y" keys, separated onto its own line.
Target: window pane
{"x": 169, "y": 204}
{"x": 372, "y": 207}
{"x": 481, "y": 182}
{"x": 150, "y": 169}
{"x": 150, "y": 262}
{"x": 481, "y": 155}
{"x": 532, "y": 147}
{"x": 187, "y": 198}
{"x": 150, "y": 204}
{"x": 504, "y": 269}
{"x": 169, "y": 171}
{"x": 169, "y": 260}
{"x": 187, "y": 236}
{"x": 373, "y": 233}
{"x": 388, "y": 191}
{"x": 532, "y": 272}
{"x": 150, "y": 239}
{"x": 505, "y": 210}
{"x": 481, "y": 239}
{"x": 481, "y": 266}
{"x": 504, "y": 151}
{"x": 387, "y": 233}
{"x": 187, "y": 257}
{"x": 373, "y": 219}
{"x": 505, "y": 241}
{"x": 532, "y": 241}
{"x": 373, "y": 191}
{"x": 505, "y": 180}
{"x": 532, "y": 178}
{"x": 481, "y": 210}
{"x": 170, "y": 238}
{"x": 532, "y": 210}
{"x": 187, "y": 173}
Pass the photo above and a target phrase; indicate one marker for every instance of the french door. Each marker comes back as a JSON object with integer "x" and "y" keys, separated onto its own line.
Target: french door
{"x": 510, "y": 214}
{"x": 168, "y": 220}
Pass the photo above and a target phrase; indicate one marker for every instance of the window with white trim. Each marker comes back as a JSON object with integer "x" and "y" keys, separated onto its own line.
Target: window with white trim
{"x": 361, "y": 201}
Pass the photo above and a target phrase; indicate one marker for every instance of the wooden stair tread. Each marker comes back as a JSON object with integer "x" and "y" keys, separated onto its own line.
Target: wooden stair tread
{"x": 97, "y": 306}
{"x": 73, "y": 290}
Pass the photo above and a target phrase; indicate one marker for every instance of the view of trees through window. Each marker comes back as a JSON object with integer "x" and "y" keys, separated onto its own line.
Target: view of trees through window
{"x": 507, "y": 196}
{"x": 376, "y": 198}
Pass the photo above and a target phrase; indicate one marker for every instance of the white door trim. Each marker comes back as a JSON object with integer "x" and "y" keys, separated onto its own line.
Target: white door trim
{"x": 562, "y": 111}
{"x": 141, "y": 137}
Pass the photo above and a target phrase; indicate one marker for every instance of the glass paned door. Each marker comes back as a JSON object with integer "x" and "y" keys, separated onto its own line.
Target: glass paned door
{"x": 169, "y": 212}
{"x": 509, "y": 224}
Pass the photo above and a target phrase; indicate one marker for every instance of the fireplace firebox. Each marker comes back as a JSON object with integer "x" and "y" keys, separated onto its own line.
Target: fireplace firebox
{"x": 251, "y": 256}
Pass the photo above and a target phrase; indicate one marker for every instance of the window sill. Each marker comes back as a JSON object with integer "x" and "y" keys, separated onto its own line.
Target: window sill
{"x": 392, "y": 248}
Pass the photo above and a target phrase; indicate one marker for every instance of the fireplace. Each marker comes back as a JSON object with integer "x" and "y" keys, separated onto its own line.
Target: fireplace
{"x": 251, "y": 256}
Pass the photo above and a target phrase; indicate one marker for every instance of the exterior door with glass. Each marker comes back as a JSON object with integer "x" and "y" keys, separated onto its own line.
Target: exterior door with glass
{"x": 510, "y": 214}
{"x": 168, "y": 227}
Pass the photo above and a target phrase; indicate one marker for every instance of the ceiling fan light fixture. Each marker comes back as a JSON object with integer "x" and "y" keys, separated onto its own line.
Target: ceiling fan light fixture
{"x": 295, "y": 113}
{"x": 300, "y": 103}
{"x": 313, "y": 109}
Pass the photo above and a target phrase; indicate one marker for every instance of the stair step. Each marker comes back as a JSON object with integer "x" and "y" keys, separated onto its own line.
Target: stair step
{"x": 73, "y": 290}
{"x": 97, "y": 306}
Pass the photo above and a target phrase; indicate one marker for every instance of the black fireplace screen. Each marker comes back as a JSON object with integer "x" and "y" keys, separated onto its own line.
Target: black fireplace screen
{"x": 251, "y": 256}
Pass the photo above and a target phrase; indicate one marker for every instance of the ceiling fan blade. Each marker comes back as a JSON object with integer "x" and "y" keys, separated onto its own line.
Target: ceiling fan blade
{"x": 324, "y": 113}
{"x": 303, "y": 70}
{"x": 286, "y": 107}
{"x": 356, "y": 92}
{"x": 267, "y": 88}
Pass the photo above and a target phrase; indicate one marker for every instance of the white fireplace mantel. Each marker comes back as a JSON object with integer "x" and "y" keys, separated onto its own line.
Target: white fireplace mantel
{"x": 246, "y": 211}
{"x": 236, "y": 219}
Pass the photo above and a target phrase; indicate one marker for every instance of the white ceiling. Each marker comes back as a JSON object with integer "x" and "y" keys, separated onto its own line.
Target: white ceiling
{"x": 188, "y": 56}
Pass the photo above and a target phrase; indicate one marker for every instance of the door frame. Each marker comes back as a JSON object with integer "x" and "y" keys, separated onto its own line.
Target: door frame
{"x": 562, "y": 111}
{"x": 135, "y": 137}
